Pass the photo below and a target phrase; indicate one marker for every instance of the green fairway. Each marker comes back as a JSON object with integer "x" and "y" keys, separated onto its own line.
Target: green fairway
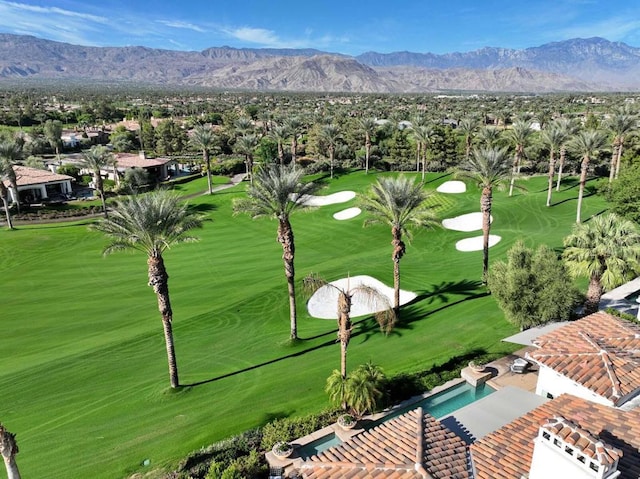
{"x": 84, "y": 380}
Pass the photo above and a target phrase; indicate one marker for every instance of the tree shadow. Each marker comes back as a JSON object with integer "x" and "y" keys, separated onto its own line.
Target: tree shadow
{"x": 201, "y": 208}
{"x": 444, "y": 175}
{"x": 587, "y": 194}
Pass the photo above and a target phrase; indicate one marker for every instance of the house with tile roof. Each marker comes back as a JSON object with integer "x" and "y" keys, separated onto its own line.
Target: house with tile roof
{"x": 158, "y": 168}
{"x": 35, "y": 185}
{"x": 596, "y": 358}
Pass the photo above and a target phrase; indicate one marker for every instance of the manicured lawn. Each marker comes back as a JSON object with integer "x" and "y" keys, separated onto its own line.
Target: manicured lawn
{"x": 84, "y": 380}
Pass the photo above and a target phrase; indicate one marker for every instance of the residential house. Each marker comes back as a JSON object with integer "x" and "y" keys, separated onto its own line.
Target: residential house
{"x": 158, "y": 168}
{"x": 35, "y": 185}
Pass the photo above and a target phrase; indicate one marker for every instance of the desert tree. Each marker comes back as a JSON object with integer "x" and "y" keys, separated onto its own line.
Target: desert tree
{"x": 401, "y": 204}
{"x": 275, "y": 193}
{"x": 96, "y": 159}
{"x": 152, "y": 223}
{"x": 606, "y": 250}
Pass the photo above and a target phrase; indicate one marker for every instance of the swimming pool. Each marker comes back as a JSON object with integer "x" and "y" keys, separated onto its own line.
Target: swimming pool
{"x": 438, "y": 405}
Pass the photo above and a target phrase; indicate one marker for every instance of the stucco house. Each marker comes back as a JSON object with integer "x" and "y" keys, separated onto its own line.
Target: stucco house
{"x": 35, "y": 185}
{"x": 158, "y": 168}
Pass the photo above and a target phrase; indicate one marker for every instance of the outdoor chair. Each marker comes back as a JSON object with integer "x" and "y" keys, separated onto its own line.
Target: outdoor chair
{"x": 519, "y": 366}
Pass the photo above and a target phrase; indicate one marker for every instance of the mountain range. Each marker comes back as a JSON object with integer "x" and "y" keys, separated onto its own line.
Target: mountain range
{"x": 592, "y": 64}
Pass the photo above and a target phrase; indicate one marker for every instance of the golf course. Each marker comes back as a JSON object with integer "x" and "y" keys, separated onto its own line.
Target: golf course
{"x": 84, "y": 381}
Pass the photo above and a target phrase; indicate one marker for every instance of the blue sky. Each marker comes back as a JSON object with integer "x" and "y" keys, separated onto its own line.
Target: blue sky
{"x": 350, "y": 27}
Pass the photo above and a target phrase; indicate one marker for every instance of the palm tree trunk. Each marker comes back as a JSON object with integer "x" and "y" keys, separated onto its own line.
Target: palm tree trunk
{"x": 5, "y": 202}
{"x": 100, "y": 187}
{"x": 344, "y": 329}
{"x": 398, "y": 253}
{"x": 159, "y": 281}
{"x": 280, "y": 153}
{"x": 285, "y": 238}
{"x": 367, "y": 153}
{"x": 552, "y": 169}
{"x": 618, "y": 159}
{"x": 14, "y": 187}
{"x": 485, "y": 208}
{"x": 514, "y": 171}
{"x": 563, "y": 152}
{"x": 207, "y": 162}
{"x": 8, "y": 450}
{"x": 614, "y": 157}
{"x": 424, "y": 161}
{"x": 294, "y": 148}
{"x": 583, "y": 180}
{"x": 594, "y": 293}
{"x": 331, "y": 153}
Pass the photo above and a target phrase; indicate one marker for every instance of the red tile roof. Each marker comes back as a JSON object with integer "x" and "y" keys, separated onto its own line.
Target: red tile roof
{"x": 507, "y": 452}
{"x": 411, "y": 446}
{"x": 33, "y": 176}
{"x": 601, "y": 352}
{"x": 132, "y": 160}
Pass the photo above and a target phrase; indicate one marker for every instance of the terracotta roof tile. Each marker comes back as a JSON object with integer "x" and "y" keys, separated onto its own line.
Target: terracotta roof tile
{"x": 507, "y": 452}
{"x": 34, "y": 176}
{"x": 600, "y": 352}
{"x": 132, "y": 160}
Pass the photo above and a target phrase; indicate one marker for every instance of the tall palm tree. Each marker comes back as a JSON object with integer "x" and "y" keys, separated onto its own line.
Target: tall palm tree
{"x": 621, "y": 125}
{"x": 243, "y": 125}
{"x": 246, "y": 145}
{"x": 489, "y": 169}
{"x": 488, "y": 136}
{"x": 330, "y": 134}
{"x": 468, "y": 126}
{"x": 587, "y": 144}
{"x": 152, "y": 223}
{"x": 400, "y": 203}
{"x": 368, "y": 127}
{"x": 273, "y": 194}
{"x": 280, "y": 133}
{"x": 4, "y": 195}
{"x": 294, "y": 125}
{"x": 53, "y": 134}
{"x": 10, "y": 153}
{"x": 568, "y": 129}
{"x": 204, "y": 139}
{"x": 8, "y": 451}
{"x": 423, "y": 135}
{"x": 385, "y": 316}
{"x": 96, "y": 159}
{"x": 606, "y": 249}
{"x": 518, "y": 136}
{"x": 553, "y": 138}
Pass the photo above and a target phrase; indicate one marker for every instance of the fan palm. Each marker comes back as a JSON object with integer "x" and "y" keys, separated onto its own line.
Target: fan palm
{"x": 368, "y": 127}
{"x": 423, "y": 134}
{"x": 96, "y": 159}
{"x": 280, "y": 133}
{"x": 489, "y": 169}
{"x": 273, "y": 194}
{"x": 331, "y": 136}
{"x": 621, "y": 125}
{"x": 518, "y": 136}
{"x": 152, "y": 223}
{"x": 246, "y": 145}
{"x": 605, "y": 249}
{"x": 553, "y": 138}
{"x": 468, "y": 127}
{"x": 204, "y": 139}
{"x": 400, "y": 203}
{"x": 294, "y": 125}
{"x": 10, "y": 153}
{"x": 587, "y": 143}
{"x": 567, "y": 128}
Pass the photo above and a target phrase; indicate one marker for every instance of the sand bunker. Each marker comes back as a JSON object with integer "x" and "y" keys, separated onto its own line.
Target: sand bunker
{"x": 475, "y": 243}
{"x": 452, "y": 187}
{"x": 347, "y": 214}
{"x": 324, "y": 302}
{"x": 340, "y": 197}
{"x": 468, "y": 222}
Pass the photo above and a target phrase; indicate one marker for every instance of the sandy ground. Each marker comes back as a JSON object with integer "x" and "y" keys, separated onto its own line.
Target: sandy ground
{"x": 340, "y": 197}
{"x": 475, "y": 243}
{"x": 324, "y": 302}
{"x": 452, "y": 187}
{"x": 347, "y": 214}
{"x": 468, "y": 222}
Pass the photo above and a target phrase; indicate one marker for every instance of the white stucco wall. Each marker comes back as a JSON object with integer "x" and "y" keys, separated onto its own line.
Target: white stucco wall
{"x": 556, "y": 384}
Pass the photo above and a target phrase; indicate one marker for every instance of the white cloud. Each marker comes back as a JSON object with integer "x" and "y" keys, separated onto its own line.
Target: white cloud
{"x": 182, "y": 25}
{"x": 259, "y": 36}
{"x": 50, "y": 11}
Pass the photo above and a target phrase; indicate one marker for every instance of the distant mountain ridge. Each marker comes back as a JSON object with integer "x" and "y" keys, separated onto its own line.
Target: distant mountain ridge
{"x": 572, "y": 65}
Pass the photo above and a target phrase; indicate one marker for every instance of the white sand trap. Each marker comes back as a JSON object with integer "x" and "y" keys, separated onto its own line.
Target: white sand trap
{"x": 475, "y": 243}
{"x": 324, "y": 302}
{"x": 452, "y": 187}
{"x": 347, "y": 214}
{"x": 468, "y": 222}
{"x": 339, "y": 197}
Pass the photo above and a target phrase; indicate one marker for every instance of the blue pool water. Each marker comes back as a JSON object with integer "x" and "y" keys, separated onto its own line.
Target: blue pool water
{"x": 438, "y": 405}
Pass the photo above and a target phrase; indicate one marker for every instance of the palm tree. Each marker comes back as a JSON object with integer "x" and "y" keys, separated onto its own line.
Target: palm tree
{"x": 606, "y": 249}
{"x": 567, "y": 128}
{"x": 4, "y": 194}
{"x": 518, "y": 136}
{"x": 280, "y": 133}
{"x": 400, "y": 203}
{"x": 488, "y": 136}
{"x": 368, "y": 126}
{"x": 246, "y": 146}
{"x": 8, "y": 451}
{"x": 423, "y": 135}
{"x": 273, "y": 194}
{"x": 243, "y": 125}
{"x": 553, "y": 138}
{"x": 294, "y": 125}
{"x": 361, "y": 390}
{"x": 621, "y": 125}
{"x": 489, "y": 169}
{"x": 330, "y": 134}
{"x": 53, "y": 134}
{"x": 468, "y": 127}
{"x": 204, "y": 139}
{"x": 152, "y": 223}
{"x": 587, "y": 143}
{"x": 385, "y": 316}
{"x": 10, "y": 153}
{"x": 96, "y": 159}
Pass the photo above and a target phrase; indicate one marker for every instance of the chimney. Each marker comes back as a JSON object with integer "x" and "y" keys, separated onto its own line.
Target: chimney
{"x": 563, "y": 449}
{"x": 142, "y": 155}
